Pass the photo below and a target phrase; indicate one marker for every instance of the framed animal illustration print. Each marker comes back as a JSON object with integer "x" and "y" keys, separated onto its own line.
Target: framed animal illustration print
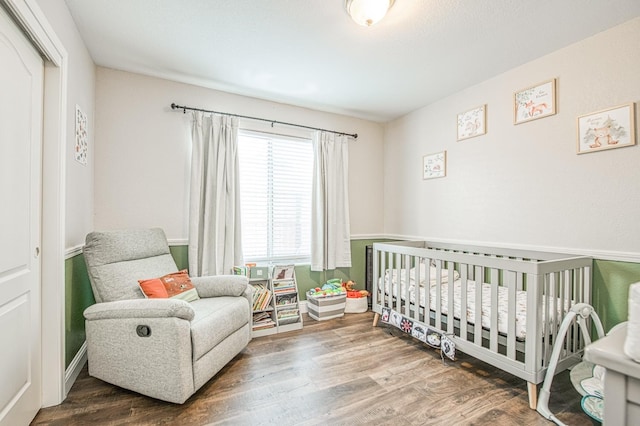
{"x": 607, "y": 129}
{"x": 472, "y": 123}
{"x": 535, "y": 102}
{"x": 434, "y": 165}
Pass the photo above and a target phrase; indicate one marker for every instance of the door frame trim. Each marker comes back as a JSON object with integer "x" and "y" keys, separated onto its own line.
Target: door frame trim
{"x": 30, "y": 17}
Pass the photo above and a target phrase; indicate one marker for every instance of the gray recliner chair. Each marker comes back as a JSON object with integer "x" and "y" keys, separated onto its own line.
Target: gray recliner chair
{"x": 163, "y": 348}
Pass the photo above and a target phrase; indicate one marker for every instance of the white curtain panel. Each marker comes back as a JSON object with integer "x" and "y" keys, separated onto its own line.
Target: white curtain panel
{"x": 330, "y": 230}
{"x": 215, "y": 243}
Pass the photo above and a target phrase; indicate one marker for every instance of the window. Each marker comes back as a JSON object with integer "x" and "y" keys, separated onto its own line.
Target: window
{"x": 275, "y": 189}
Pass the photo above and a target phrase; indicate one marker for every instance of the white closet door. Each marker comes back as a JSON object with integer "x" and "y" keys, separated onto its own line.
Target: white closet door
{"x": 21, "y": 103}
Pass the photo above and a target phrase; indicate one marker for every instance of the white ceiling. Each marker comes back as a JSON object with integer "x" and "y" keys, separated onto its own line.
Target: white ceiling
{"x": 309, "y": 53}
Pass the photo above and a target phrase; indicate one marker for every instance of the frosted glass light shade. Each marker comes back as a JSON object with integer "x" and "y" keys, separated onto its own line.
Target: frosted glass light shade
{"x": 368, "y": 12}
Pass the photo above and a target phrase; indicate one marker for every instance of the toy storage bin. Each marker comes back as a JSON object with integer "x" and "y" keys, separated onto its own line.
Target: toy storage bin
{"x": 356, "y": 305}
{"x": 328, "y": 307}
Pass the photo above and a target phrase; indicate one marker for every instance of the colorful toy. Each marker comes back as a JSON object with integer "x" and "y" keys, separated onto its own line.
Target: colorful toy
{"x": 333, "y": 287}
{"x": 349, "y": 286}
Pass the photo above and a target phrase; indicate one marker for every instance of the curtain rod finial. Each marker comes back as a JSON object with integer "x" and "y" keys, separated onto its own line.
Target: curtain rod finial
{"x": 176, "y": 106}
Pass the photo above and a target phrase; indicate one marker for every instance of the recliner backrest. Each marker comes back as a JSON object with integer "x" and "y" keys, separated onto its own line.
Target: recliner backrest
{"x": 116, "y": 260}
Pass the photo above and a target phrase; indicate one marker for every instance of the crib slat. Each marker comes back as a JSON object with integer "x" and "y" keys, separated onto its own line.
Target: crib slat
{"x": 380, "y": 269}
{"x": 419, "y": 303}
{"x": 401, "y": 302}
{"x": 451, "y": 299}
{"x": 550, "y": 302}
{"x": 463, "y": 302}
{"x": 577, "y": 296}
{"x": 587, "y": 285}
{"x": 392, "y": 285}
{"x": 376, "y": 278}
{"x": 549, "y": 339}
{"x": 398, "y": 294}
{"x": 477, "y": 327}
{"x": 389, "y": 296}
{"x": 438, "y": 294}
{"x": 406, "y": 300}
{"x": 494, "y": 310}
{"x": 581, "y": 283}
{"x": 512, "y": 284}
{"x": 532, "y": 344}
{"x": 563, "y": 280}
{"x": 415, "y": 307}
{"x": 427, "y": 293}
{"x": 386, "y": 280}
{"x": 520, "y": 281}
{"x": 395, "y": 282}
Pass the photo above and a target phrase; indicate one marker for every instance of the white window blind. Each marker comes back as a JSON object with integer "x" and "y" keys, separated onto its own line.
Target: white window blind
{"x": 275, "y": 190}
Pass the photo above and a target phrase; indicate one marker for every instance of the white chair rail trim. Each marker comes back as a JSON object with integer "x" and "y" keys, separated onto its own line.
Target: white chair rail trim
{"x": 596, "y": 254}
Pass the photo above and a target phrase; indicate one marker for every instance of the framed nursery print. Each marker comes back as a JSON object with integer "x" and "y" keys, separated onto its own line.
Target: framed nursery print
{"x": 535, "y": 102}
{"x": 472, "y": 123}
{"x": 607, "y": 129}
{"x": 434, "y": 165}
{"x": 81, "y": 137}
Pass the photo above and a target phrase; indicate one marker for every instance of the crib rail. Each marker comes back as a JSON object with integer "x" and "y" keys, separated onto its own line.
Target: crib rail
{"x": 547, "y": 284}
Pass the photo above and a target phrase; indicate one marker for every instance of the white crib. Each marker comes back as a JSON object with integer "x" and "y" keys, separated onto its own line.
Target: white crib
{"x": 528, "y": 295}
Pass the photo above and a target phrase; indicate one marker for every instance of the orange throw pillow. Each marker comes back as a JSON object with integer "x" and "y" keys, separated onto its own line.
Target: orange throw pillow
{"x": 176, "y": 285}
{"x": 154, "y": 289}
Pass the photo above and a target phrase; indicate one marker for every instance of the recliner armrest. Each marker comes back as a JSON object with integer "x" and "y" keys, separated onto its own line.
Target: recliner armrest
{"x": 221, "y": 285}
{"x": 140, "y": 308}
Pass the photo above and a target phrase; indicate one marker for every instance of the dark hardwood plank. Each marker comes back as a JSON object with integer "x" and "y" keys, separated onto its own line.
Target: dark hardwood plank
{"x": 337, "y": 372}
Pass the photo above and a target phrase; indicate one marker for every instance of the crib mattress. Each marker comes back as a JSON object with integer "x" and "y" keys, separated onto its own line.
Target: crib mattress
{"x": 503, "y": 299}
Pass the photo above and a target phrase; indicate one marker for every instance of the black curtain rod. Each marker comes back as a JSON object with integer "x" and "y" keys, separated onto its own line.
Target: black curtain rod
{"x": 185, "y": 108}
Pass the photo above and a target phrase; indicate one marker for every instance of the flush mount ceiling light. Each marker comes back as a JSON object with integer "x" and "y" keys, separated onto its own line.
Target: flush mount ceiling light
{"x": 368, "y": 12}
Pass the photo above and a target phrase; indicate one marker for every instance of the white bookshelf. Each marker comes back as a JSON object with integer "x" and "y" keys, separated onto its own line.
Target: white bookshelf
{"x": 276, "y": 302}
{"x": 264, "y": 319}
{"x": 286, "y": 298}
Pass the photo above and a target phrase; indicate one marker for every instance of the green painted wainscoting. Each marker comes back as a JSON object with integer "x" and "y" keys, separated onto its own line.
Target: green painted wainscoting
{"x": 305, "y": 277}
{"x": 78, "y": 296}
{"x": 611, "y": 281}
{"x": 308, "y": 279}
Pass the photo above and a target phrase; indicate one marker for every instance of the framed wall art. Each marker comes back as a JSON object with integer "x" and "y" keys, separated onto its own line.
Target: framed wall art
{"x": 607, "y": 129}
{"x": 434, "y": 165}
{"x": 535, "y": 102}
{"x": 472, "y": 123}
{"x": 81, "y": 146}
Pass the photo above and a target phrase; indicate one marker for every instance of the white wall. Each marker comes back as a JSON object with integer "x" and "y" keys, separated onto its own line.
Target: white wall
{"x": 80, "y": 91}
{"x": 142, "y": 151}
{"x": 524, "y": 185}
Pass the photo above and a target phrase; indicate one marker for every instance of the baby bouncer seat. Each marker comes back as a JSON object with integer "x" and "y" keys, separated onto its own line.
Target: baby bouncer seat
{"x": 586, "y": 377}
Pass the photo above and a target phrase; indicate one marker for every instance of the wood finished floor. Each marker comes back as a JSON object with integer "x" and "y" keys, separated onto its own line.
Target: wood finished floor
{"x": 336, "y": 372}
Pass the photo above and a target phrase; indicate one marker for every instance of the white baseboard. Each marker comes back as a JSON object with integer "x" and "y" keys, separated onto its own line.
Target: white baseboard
{"x": 72, "y": 372}
{"x": 303, "y": 307}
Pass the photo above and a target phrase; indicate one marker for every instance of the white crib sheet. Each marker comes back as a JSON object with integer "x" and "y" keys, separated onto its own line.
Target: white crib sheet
{"x": 503, "y": 299}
